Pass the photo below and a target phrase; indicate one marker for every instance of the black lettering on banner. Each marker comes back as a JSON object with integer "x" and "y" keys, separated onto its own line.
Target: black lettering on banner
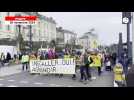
{"x": 68, "y": 62}
{"x": 42, "y": 64}
{"x": 36, "y": 63}
{"x": 34, "y": 70}
{"x": 56, "y": 63}
{"x": 48, "y": 62}
{"x": 73, "y": 61}
{"x": 45, "y": 64}
{"x": 45, "y": 70}
{"x": 54, "y": 69}
{"x": 52, "y": 62}
{"x": 63, "y": 62}
{"x": 48, "y": 70}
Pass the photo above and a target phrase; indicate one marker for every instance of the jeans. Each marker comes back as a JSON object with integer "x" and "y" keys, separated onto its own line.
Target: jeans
{"x": 85, "y": 72}
{"x": 125, "y": 70}
{"x": 25, "y": 64}
{"x": 2, "y": 62}
{"x": 74, "y": 75}
{"x": 88, "y": 71}
{"x": 99, "y": 71}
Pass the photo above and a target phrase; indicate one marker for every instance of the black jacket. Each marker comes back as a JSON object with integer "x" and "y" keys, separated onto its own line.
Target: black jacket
{"x": 130, "y": 77}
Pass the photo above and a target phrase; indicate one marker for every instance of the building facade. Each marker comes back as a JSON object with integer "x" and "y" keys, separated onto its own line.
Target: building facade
{"x": 44, "y": 30}
{"x": 70, "y": 37}
{"x": 88, "y": 41}
{"x": 60, "y": 36}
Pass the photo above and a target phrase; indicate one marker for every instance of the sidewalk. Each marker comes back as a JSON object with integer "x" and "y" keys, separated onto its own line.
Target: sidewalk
{"x": 9, "y": 70}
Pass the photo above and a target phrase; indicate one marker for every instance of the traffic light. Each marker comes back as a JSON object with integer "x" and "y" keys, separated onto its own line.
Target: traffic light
{"x": 126, "y": 17}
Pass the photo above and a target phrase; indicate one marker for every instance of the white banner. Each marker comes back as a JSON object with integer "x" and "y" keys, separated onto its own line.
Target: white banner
{"x": 53, "y": 66}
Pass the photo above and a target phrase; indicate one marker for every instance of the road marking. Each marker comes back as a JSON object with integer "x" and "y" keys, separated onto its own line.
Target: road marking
{"x": 69, "y": 86}
{"x": 37, "y": 83}
{"x": 24, "y": 82}
{"x": 59, "y": 85}
{"x": 93, "y": 78}
{"x": 12, "y": 86}
{"x": 11, "y": 80}
{"x": 52, "y": 84}
{"x": 55, "y": 85}
{"x": 1, "y": 79}
{"x": 1, "y": 84}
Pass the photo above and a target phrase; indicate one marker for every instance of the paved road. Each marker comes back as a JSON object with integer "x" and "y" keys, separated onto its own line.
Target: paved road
{"x": 24, "y": 79}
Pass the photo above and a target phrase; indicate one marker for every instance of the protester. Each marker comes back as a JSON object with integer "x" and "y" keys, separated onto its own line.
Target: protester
{"x": 88, "y": 67}
{"x": 8, "y": 57}
{"x": 50, "y": 54}
{"x": 125, "y": 62}
{"x": 66, "y": 57}
{"x": 38, "y": 56}
{"x": 32, "y": 56}
{"x": 108, "y": 64}
{"x": 2, "y": 59}
{"x": 114, "y": 58}
{"x": 25, "y": 61}
{"x": 85, "y": 67}
{"x": 74, "y": 57}
{"x": 82, "y": 68}
{"x": 98, "y": 63}
{"x": 119, "y": 76}
{"x": 42, "y": 56}
{"x": 130, "y": 77}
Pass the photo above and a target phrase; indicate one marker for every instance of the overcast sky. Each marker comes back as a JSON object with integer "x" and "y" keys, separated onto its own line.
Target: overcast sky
{"x": 107, "y": 24}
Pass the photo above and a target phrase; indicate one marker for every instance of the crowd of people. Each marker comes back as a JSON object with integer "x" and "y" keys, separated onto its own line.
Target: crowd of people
{"x": 5, "y": 58}
{"x": 85, "y": 61}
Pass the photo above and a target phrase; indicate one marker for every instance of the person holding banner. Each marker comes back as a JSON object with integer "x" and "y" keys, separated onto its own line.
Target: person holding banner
{"x": 66, "y": 57}
{"x": 85, "y": 67}
{"x": 74, "y": 56}
{"x": 98, "y": 63}
{"x": 82, "y": 68}
{"x": 32, "y": 56}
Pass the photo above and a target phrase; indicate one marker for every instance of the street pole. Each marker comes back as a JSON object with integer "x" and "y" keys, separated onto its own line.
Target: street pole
{"x": 30, "y": 38}
{"x": 18, "y": 42}
{"x": 128, "y": 40}
{"x": 133, "y": 37}
{"x": 120, "y": 46}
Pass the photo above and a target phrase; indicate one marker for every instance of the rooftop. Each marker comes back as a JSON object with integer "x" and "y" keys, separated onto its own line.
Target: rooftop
{"x": 68, "y": 31}
{"x": 50, "y": 19}
{"x": 84, "y": 37}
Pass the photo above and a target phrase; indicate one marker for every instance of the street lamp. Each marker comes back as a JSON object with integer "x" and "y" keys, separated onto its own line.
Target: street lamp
{"x": 126, "y": 19}
{"x": 19, "y": 33}
{"x": 30, "y": 37}
{"x": 133, "y": 37}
